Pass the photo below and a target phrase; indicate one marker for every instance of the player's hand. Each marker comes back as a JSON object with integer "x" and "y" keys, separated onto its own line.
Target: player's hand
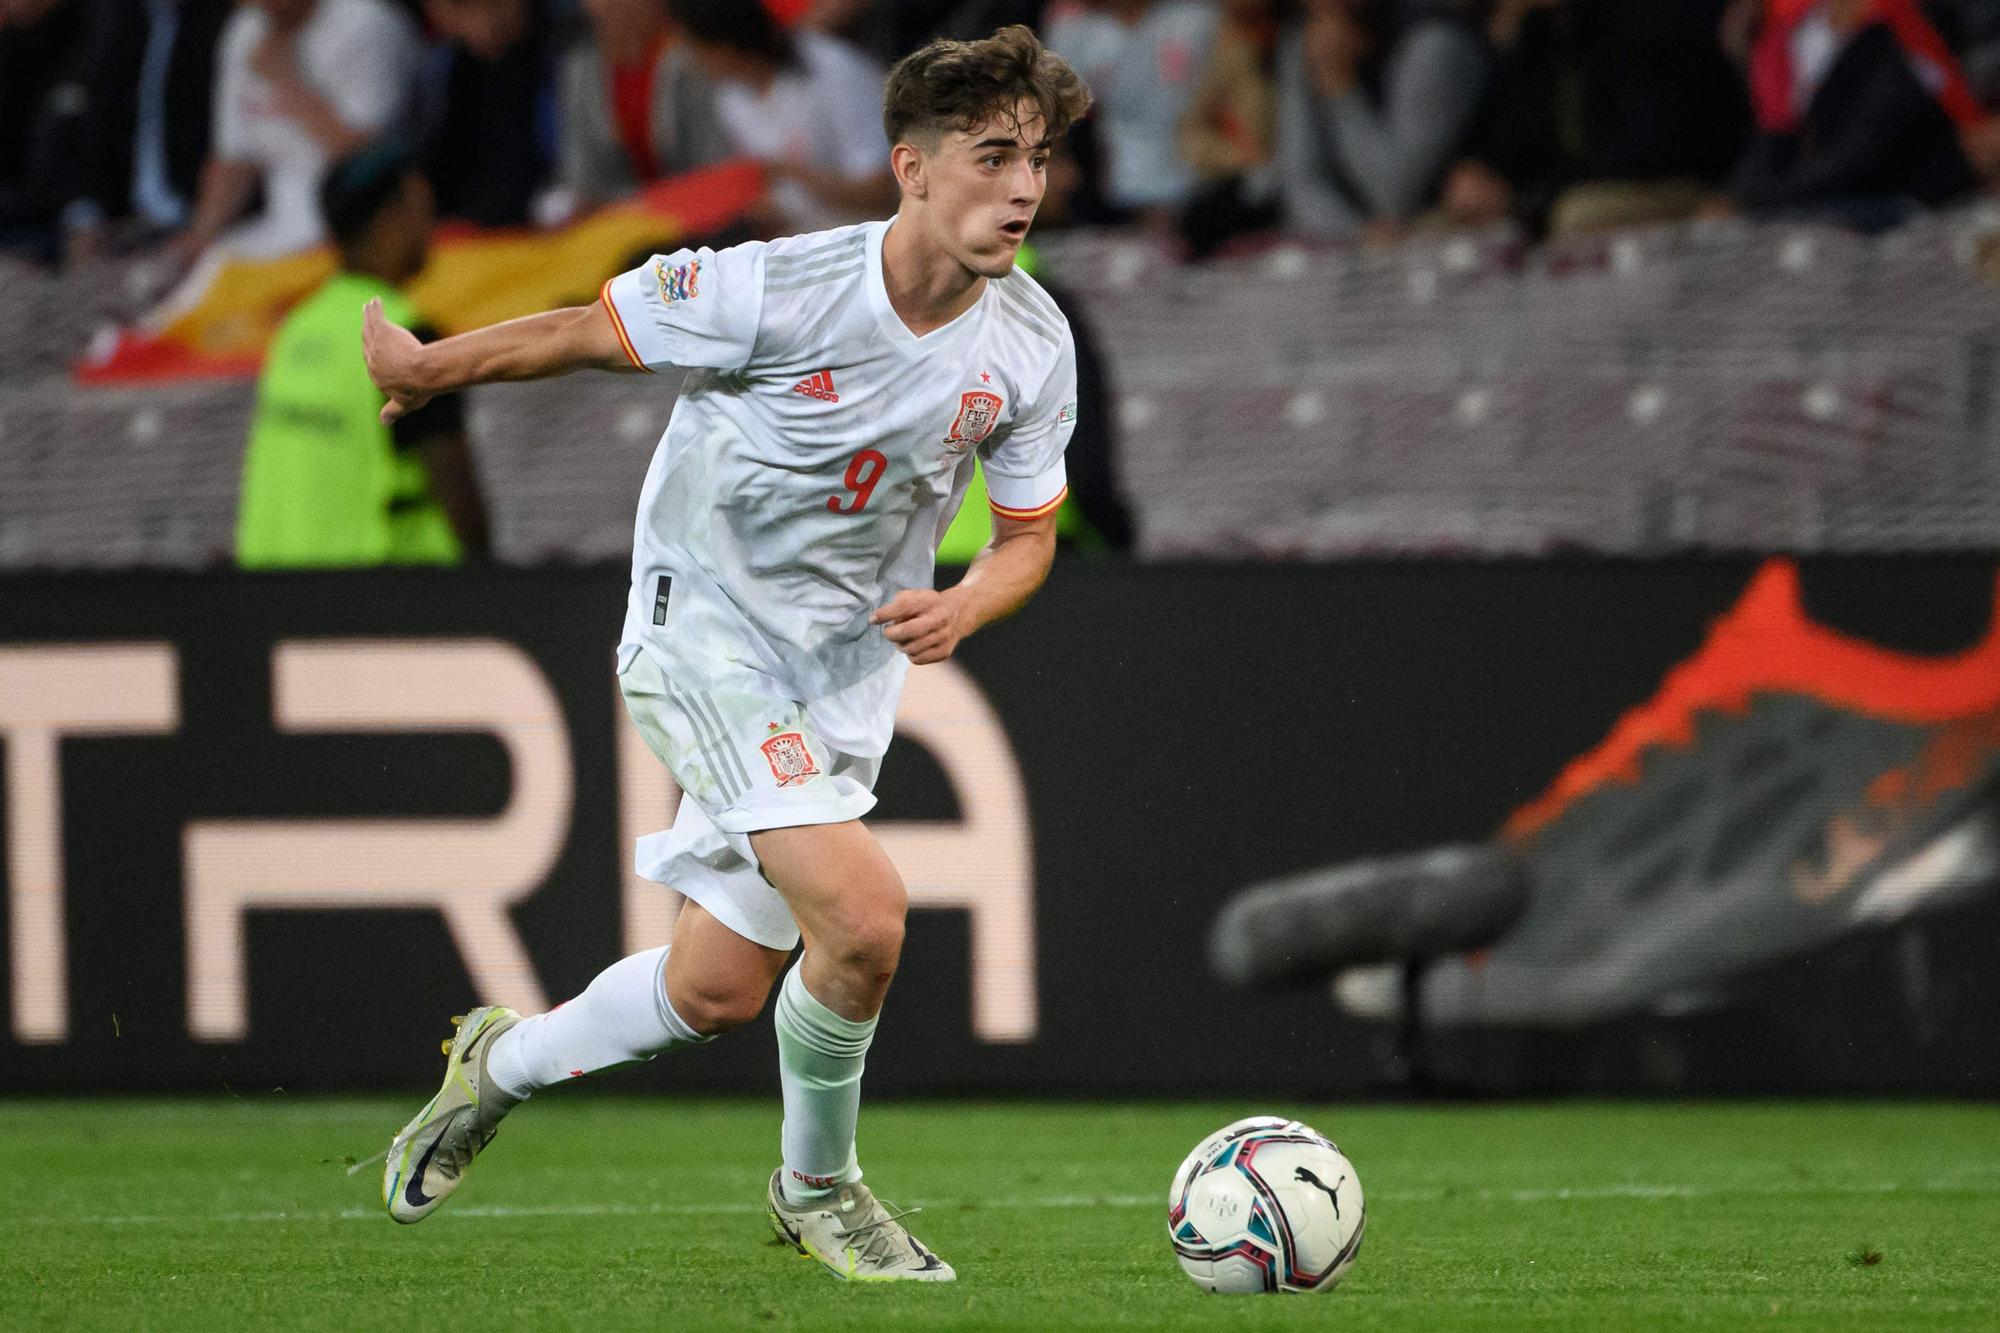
{"x": 394, "y": 356}
{"x": 925, "y": 624}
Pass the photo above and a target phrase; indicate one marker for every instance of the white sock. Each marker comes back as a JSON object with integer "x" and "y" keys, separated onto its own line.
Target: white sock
{"x": 820, "y": 1055}
{"x": 621, "y": 1018}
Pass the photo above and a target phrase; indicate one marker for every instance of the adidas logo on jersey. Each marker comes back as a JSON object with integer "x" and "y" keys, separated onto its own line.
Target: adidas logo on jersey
{"x": 818, "y": 385}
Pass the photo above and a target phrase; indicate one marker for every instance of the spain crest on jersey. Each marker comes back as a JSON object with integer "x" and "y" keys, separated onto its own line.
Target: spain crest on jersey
{"x": 678, "y": 282}
{"x": 977, "y": 413}
{"x": 791, "y": 762}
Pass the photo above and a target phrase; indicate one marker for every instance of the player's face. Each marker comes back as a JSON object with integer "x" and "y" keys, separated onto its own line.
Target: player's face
{"x": 985, "y": 185}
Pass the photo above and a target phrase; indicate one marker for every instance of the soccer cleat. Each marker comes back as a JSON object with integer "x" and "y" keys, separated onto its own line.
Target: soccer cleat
{"x": 1786, "y": 787}
{"x": 854, "y": 1236}
{"x": 429, "y": 1158}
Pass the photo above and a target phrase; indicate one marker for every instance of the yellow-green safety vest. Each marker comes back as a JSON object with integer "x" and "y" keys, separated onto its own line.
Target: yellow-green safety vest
{"x": 324, "y": 484}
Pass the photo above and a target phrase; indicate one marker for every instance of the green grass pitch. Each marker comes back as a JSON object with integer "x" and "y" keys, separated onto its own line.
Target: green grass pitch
{"x": 606, "y": 1212}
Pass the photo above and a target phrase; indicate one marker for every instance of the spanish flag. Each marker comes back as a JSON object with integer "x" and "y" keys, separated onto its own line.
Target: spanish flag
{"x": 218, "y": 324}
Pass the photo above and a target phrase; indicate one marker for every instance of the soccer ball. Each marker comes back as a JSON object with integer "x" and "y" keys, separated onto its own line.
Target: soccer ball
{"x": 1266, "y": 1204}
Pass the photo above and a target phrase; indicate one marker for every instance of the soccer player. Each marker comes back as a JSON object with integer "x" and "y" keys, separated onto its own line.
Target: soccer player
{"x": 839, "y": 385}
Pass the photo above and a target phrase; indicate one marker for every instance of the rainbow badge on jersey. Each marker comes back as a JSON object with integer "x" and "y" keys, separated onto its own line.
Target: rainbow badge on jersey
{"x": 678, "y": 282}
{"x": 978, "y": 411}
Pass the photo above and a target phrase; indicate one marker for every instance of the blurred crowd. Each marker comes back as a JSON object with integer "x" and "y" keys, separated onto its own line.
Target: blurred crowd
{"x": 163, "y": 129}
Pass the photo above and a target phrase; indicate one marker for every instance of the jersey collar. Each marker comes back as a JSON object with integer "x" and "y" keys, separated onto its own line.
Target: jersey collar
{"x": 892, "y": 325}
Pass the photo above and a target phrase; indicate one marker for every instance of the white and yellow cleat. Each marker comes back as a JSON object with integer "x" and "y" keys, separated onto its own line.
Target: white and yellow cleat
{"x": 429, "y": 1158}
{"x": 854, "y": 1236}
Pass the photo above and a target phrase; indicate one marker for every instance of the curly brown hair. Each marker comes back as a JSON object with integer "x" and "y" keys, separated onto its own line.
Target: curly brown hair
{"x": 957, "y": 86}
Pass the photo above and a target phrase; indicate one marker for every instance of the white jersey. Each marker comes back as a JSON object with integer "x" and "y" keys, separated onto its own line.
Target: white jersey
{"x": 817, "y": 453}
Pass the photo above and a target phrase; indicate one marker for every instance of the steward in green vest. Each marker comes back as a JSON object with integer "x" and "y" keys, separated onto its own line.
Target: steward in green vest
{"x": 325, "y": 483}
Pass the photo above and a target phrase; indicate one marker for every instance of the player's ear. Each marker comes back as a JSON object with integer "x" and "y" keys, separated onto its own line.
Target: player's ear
{"x": 907, "y": 161}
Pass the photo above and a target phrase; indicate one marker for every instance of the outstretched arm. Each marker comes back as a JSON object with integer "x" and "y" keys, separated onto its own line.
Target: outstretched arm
{"x": 927, "y": 625}
{"x": 532, "y": 348}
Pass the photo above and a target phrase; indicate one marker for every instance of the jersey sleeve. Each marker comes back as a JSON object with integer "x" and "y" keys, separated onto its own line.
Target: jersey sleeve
{"x": 1025, "y": 477}
{"x": 692, "y": 308}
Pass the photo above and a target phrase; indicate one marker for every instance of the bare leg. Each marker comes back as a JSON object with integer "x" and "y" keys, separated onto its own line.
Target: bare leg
{"x": 849, "y": 903}
{"x": 716, "y": 979}
{"x": 708, "y": 981}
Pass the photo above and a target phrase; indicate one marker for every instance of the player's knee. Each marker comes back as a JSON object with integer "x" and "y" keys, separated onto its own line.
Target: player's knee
{"x": 714, "y": 1009}
{"x": 873, "y": 941}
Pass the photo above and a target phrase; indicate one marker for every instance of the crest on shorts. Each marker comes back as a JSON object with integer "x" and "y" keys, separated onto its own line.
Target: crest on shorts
{"x": 791, "y": 762}
{"x": 678, "y": 282}
{"x": 978, "y": 411}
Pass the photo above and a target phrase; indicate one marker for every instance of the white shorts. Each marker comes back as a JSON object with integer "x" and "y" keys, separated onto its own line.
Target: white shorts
{"x": 744, "y": 762}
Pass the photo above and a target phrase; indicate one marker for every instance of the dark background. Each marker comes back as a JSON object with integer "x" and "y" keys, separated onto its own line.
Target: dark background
{"x": 1183, "y": 730}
